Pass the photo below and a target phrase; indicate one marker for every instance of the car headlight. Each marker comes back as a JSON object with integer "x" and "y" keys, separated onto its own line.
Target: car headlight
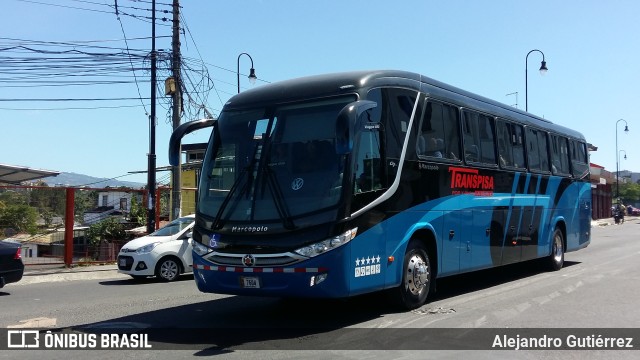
{"x": 199, "y": 249}
{"x": 147, "y": 248}
{"x": 327, "y": 245}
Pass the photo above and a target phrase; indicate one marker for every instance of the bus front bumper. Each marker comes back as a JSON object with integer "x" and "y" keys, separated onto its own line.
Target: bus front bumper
{"x": 306, "y": 279}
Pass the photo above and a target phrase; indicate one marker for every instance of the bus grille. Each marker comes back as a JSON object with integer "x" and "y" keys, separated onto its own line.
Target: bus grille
{"x": 261, "y": 261}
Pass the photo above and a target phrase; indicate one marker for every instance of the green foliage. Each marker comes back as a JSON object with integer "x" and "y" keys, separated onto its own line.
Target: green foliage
{"x": 20, "y": 217}
{"x": 138, "y": 213}
{"x": 46, "y": 199}
{"x": 630, "y": 193}
{"x": 84, "y": 200}
{"x": 108, "y": 229}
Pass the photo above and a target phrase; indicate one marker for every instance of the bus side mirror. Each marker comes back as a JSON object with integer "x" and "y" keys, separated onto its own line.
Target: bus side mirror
{"x": 180, "y": 132}
{"x": 346, "y": 122}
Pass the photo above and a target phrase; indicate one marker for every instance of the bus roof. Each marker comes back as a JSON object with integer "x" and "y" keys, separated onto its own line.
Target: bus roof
{"x": 355, "y": 81}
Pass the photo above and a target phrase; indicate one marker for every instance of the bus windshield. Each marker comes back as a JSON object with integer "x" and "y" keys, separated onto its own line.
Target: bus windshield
{"x": 273, "y": 165}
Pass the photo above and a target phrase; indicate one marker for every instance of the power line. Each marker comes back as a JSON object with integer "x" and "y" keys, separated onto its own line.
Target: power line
{"x": 132, "y": 67}
{"x": 71, "y": 108}
{"x": 76, "y": 99}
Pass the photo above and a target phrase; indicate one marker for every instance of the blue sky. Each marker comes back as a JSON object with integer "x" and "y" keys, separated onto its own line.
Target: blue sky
{"x": 591, "y": 49}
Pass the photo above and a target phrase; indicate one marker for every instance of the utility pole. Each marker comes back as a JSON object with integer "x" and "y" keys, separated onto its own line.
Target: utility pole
{"x": 176, "y": 171}
{"x": 151, "y": 174}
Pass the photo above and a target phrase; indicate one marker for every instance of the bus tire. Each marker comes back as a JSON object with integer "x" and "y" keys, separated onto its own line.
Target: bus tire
{"x": 555, "y": 261}
{"x": 416, "y": 277}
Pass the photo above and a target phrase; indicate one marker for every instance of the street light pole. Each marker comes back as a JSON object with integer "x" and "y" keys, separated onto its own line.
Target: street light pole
{"x": 151, "y": 176}
{"x": 626, "y": 129}
{"x": 252, "y": 71}
{"x": 543, "y": 70}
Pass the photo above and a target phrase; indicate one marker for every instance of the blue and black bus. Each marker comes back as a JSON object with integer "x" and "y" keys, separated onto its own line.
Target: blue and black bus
{"x": 343, "y": 184}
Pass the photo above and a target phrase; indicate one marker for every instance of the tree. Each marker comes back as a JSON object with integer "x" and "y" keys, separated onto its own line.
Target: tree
{"x": 84, "y": 200}
{"x": 20, "y": 217}
{"x": 109, "y": 229}
{"x": 45, "y": 198}
{"x": 137, "y": 214}
{"x": 630, "y": 193}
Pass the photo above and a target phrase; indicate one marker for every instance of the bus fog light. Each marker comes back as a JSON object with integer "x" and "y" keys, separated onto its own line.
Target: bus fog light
{"x": 317, "y": 279}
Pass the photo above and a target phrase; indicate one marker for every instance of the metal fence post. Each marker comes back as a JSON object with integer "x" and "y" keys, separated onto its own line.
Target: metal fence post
{"x": 68, "y": 227}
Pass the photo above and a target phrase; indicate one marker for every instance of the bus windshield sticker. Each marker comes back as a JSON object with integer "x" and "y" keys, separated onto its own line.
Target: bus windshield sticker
{"x": 213, "y": 241}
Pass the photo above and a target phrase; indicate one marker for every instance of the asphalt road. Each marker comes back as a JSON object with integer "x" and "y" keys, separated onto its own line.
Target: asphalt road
{"x": 597, "y": 289}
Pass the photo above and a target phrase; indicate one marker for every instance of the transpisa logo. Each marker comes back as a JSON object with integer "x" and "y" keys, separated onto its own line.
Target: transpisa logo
{"x": 469, "y": 181}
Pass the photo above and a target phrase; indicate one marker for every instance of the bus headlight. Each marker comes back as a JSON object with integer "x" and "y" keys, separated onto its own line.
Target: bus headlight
{"x": 199, "y": 249}
{"x": 327, "y": 245}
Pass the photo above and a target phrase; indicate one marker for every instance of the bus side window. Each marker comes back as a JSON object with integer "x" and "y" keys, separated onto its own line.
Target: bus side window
{"x": 504, "y": 145}
{"x": 559, "y": 156}
{"x": 438, "y": 135}
{"x": 451, "y": 132}
{"x": 579, "y": 162}
{"x": 517, "y": 145}
{"x": 478, "y": 138}
{"x": 532, "y": 149}
{"x": 543, "y": 147}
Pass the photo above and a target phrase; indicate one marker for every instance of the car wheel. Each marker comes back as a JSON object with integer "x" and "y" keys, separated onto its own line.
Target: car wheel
{"x": 168, "y": 269}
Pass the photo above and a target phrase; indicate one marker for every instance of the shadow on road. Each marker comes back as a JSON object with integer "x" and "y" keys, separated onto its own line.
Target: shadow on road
{"x": 258, "y": 323}
{"x": 146, "y": 280}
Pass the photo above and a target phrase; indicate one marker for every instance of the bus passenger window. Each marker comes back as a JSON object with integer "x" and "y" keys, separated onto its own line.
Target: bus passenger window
{"x": 478, "y": 138}
{"x": 517, "y": 146}
{"x": 559, "y": 155}
{"x": 579, "y": 162}
{"x": 438, "y": 136}
{"x": 504, "y": 145}
{"x": 532, "y": 149}
{"x": 544, "y": 151}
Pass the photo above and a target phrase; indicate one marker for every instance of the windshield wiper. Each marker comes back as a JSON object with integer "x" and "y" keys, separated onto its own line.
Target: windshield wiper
{"x": 226, "y": 200}
{"x": 247, "y": 170}
{"x": 278, "y": 199}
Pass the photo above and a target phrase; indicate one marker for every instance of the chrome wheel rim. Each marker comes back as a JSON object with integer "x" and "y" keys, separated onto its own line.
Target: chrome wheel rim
{"x": 417, "y": 276}
{"x": 558, "y": 250}
{"x": 169, "y": 270}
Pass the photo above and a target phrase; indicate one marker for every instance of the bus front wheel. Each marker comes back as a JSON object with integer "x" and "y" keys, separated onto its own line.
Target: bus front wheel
{"x": 416, "y": 277}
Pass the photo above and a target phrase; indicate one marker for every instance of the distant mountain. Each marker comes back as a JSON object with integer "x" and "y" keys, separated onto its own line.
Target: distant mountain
{"x": 73, "y": 179}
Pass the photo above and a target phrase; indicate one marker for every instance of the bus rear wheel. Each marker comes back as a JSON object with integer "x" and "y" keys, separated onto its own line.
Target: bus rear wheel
{"x": 416, "y": 277}
{"x": 555, "y": 261}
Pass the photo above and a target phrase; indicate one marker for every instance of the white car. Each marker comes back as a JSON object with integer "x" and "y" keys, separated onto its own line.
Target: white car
{"x": 165, "y": 253}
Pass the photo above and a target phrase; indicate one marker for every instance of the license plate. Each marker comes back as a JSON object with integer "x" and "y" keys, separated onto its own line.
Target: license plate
{"x": 123, "y": 262}
{"x": 250, "y": 282}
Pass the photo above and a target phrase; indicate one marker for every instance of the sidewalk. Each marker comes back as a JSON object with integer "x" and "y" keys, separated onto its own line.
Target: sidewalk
{"x": 609, "y": 221}
{"x": 55, "y": 273}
